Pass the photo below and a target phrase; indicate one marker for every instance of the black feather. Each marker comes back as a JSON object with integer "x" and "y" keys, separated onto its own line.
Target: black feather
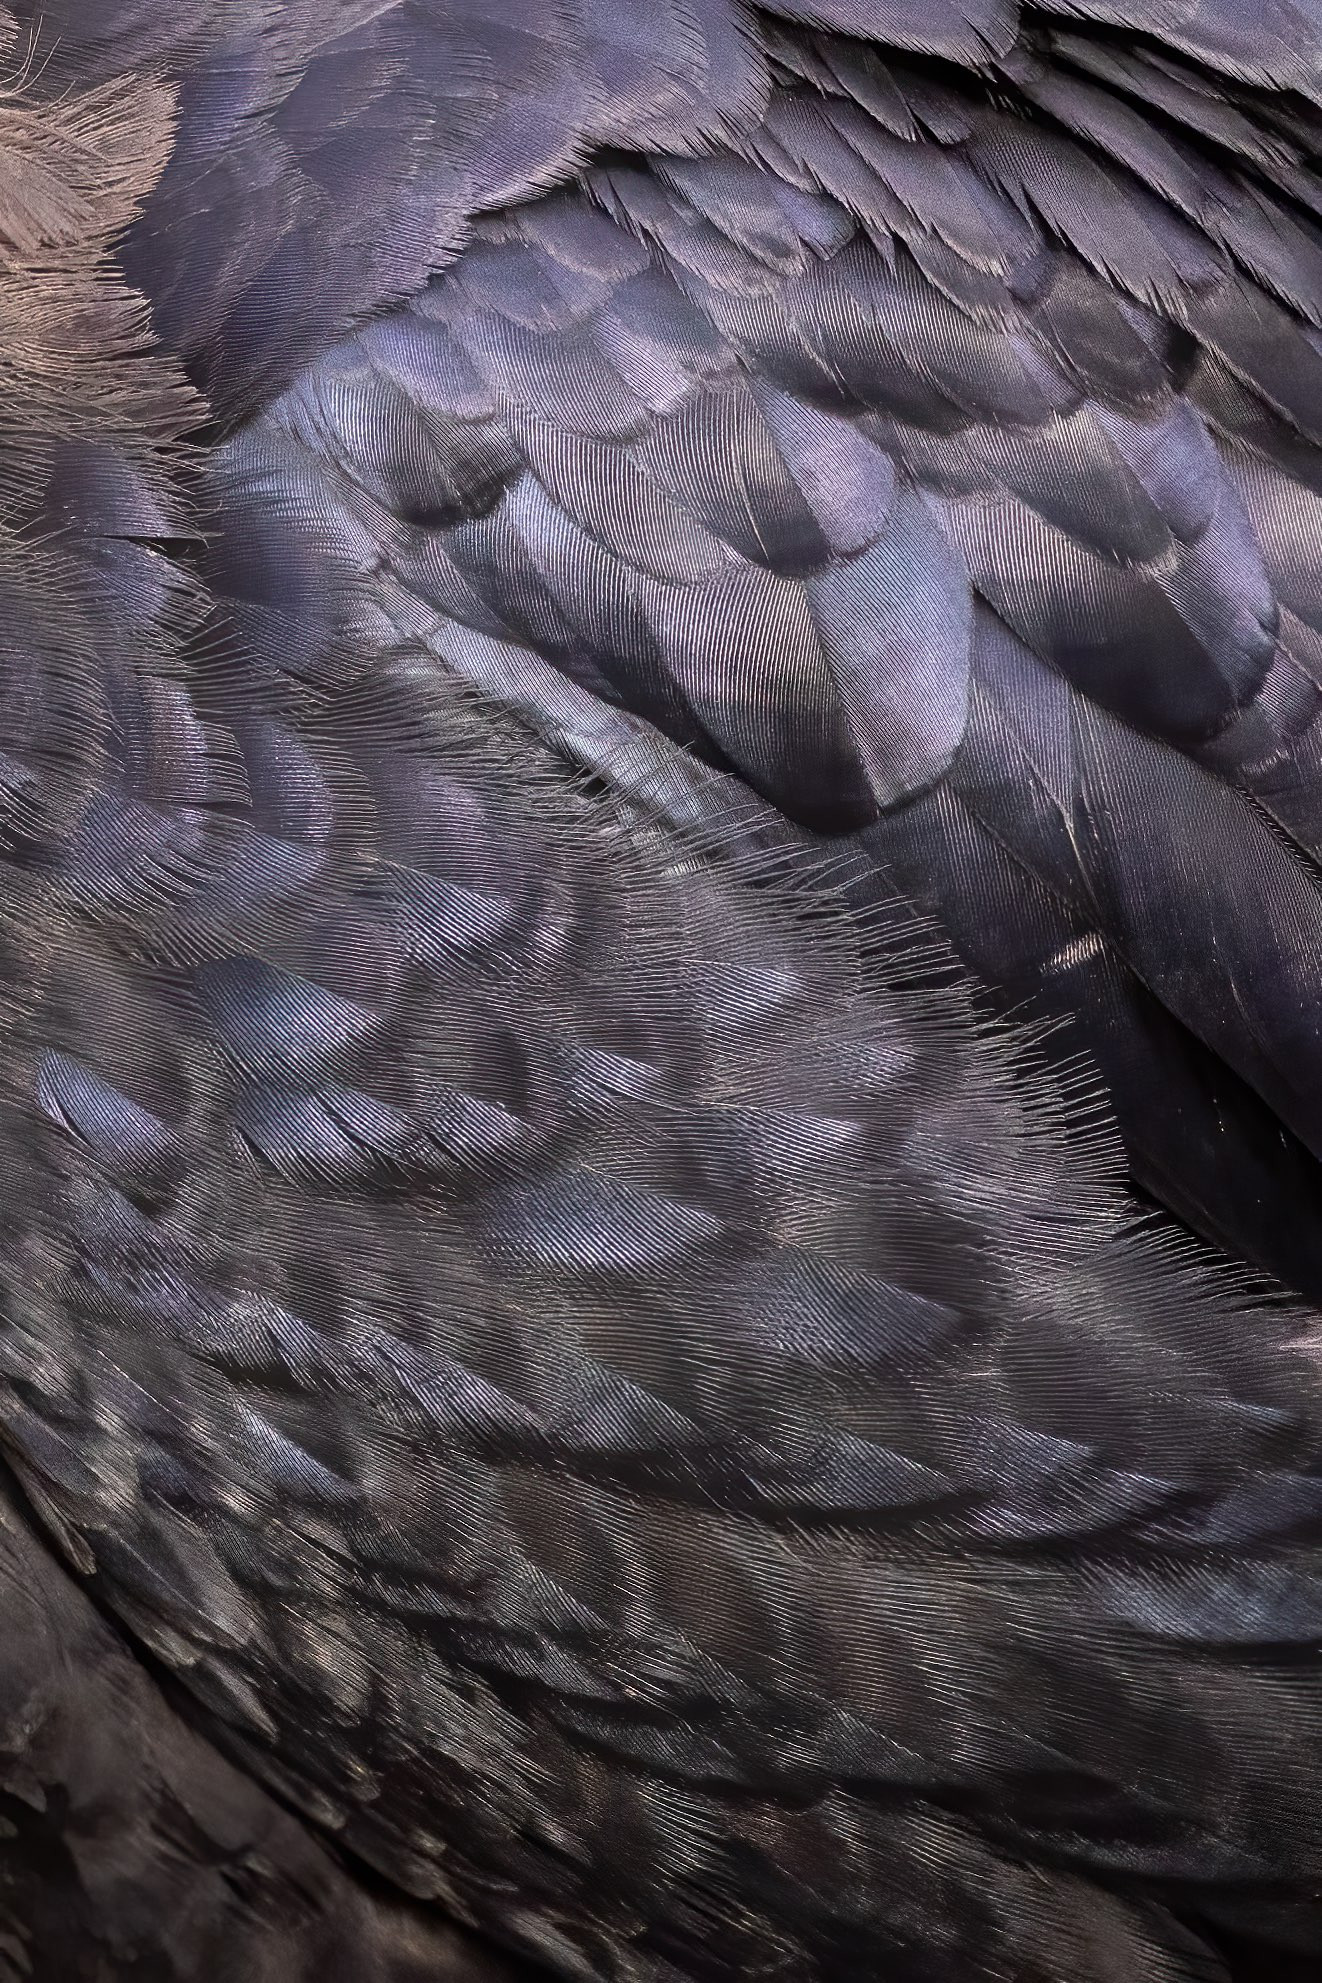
{"x": 661, "y": 891}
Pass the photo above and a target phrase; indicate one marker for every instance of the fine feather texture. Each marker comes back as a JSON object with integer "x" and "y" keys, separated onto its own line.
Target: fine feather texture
{"x": 587, "y": 597}
{"x": 131, "y": 1849}
{"x": 1059, "y": 359}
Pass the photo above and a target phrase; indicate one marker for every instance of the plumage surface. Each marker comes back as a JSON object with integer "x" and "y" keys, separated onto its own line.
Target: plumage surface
{"x": 660, "y": 736}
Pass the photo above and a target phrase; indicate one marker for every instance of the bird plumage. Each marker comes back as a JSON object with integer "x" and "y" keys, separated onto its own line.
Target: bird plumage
{"x": 659, "y": 741}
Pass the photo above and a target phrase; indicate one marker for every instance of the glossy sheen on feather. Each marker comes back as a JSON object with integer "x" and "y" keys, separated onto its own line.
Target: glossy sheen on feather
{"x": 584, "y": 596}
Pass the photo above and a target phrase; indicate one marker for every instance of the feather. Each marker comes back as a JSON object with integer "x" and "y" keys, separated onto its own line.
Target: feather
{"x": 894, "y": 624}
{"x": 661, "y": 887}
{"x": 955, "y": 29}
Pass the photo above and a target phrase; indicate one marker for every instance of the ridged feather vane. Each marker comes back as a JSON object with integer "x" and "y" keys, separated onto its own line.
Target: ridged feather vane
{"x": 661, "y": 844}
